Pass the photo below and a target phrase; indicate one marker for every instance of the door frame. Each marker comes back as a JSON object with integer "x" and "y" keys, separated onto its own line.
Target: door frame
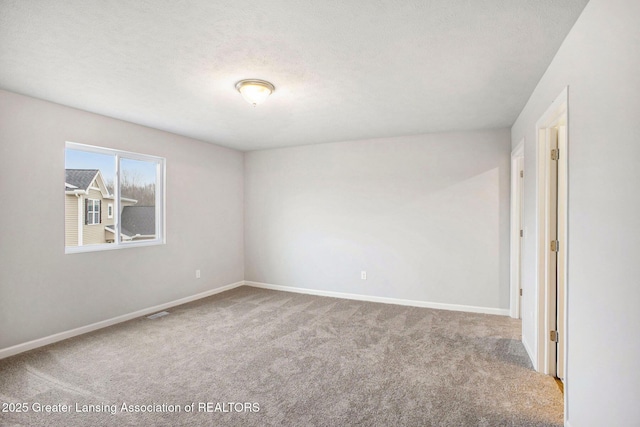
{"x": 557, "y": 114}
{"x": 517, "y": 193}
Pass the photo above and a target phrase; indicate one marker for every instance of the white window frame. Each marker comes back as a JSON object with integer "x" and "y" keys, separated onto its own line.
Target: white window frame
{"x": 96, "y": 205}
{"x": 160, "y": 202}
{"x": 110, "y": 211}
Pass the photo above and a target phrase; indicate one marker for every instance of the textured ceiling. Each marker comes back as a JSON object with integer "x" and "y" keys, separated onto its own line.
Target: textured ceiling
{"x": 343, "y": 70}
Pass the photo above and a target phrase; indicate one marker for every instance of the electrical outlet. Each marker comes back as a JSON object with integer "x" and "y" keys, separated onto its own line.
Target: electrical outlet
{"x": 363, "y": 275}
{"x": 197, "y": 274}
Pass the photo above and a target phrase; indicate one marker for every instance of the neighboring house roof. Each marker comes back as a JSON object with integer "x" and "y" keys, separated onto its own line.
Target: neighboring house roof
{"x": 79, "y": 178}
{"x": 77, "y": 181}
{"x": 138, "y": 220}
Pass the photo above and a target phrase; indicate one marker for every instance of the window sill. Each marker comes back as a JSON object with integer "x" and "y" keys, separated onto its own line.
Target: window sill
{"x": 110, "y": 246}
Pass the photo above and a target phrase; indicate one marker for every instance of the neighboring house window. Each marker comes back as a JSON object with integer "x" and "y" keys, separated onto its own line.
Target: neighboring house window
{"x": 129, "y": 185}
{"x": 92, "y": 212}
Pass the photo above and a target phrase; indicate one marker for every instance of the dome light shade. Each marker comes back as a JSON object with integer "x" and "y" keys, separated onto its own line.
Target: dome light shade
{"x": 255, "y": 91}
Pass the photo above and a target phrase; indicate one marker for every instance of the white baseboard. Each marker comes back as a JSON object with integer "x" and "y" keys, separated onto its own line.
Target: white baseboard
{"x": 40, "y": 342}
{"x": 529, "y": 352}
{"x": 385, "y": 300}
{"x": 30, "y": 345}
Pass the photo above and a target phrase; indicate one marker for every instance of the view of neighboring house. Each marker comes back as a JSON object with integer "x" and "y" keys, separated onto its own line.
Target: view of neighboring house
{"x": 90, "y": 216}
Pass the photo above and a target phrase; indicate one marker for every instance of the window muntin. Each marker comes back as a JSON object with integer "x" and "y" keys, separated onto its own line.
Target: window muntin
{"x": 122, "y": 196}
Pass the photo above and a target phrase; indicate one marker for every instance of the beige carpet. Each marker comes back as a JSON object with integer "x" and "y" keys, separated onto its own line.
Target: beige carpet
{"x": 285, "y": 359}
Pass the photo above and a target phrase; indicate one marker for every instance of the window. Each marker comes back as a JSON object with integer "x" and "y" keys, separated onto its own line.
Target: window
{"x": 113, "y": 199}
{"x": 92, "y": 211}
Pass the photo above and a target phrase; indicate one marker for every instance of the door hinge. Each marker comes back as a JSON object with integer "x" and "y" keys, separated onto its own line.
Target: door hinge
{"x": 521, "y": 174}
{"x": 554, "y": 336}
{"x": 555, "y": 246}
{"x": 520, "y": 291}
{"x": 555, "y": 154}
{"x": 521, "y": 233}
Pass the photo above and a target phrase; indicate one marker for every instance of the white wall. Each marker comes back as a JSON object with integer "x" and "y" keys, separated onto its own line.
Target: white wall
{"x": 426, "y": 216}
{"x": 600, "y": 62}
{"x": 42, "y": 290}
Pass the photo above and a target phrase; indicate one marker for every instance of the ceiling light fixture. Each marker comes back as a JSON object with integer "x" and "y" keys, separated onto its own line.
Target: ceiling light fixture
{"x": 255, "y": 91}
